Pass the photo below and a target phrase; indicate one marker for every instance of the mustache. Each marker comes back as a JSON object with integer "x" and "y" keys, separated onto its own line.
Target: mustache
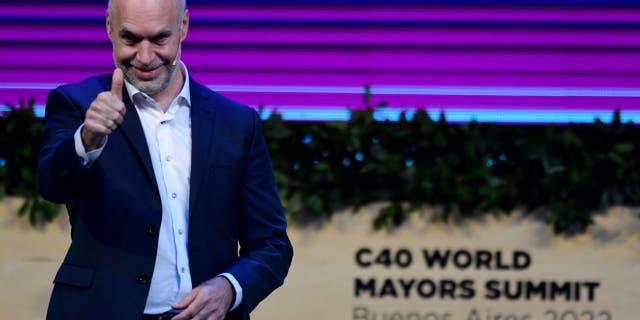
{"x": 144, "y": 67}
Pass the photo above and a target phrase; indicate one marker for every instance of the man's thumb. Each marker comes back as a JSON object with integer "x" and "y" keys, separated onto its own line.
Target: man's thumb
{"x": 116, "y": 83}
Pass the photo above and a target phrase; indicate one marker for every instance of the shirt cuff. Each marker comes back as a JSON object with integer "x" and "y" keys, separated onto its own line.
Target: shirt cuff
{"x": 88, "y": 158}
{"x": 236, "y": 287}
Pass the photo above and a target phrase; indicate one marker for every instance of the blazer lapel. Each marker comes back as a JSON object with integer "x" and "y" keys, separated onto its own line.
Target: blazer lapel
{"x": 202, "y": 137}
{"x": 131, "y": 128}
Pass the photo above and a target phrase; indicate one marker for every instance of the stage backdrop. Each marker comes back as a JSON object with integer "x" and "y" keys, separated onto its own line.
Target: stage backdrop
{"x": 492, "y": 60}
{"x": 527, "y": 61}
{"x": 497, "y": 268}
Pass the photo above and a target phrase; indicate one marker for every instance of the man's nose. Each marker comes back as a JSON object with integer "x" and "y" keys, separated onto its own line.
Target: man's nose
{"x": 145, "y": 53}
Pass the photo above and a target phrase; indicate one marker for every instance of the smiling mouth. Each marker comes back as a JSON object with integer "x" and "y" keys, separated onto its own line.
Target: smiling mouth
{"x": 146, "y": 74}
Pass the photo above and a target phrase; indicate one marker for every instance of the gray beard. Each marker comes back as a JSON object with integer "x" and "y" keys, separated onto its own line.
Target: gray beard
{"x": 151, "y": 87}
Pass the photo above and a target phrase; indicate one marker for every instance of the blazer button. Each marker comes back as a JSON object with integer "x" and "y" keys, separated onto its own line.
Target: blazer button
{"x": 143, "y": 278}
{"x": 152, "y": 230}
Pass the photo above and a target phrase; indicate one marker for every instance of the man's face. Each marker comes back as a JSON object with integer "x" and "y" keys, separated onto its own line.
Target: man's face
{"x": 146, "y": 37}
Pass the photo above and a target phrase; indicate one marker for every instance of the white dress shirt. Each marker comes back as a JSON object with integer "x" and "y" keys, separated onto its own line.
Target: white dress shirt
{"x": 168, "y": 136}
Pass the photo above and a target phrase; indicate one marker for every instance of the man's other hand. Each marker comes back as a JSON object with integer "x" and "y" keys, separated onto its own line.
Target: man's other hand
{"x": 104, "y": 115}
{"x": 209, "y": 301}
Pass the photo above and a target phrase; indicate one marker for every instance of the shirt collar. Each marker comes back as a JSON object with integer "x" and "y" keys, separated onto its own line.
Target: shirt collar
{"x": 185, "y": 93}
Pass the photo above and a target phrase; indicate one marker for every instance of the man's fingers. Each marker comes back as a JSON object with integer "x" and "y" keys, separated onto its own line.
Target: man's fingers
{"x": 101, "y": 117}
{"x": 194, "y": 309}
{"x": 116, "y": 83}
{"x": 186, "y": 301}
{"x": 212, "y": 313}
{"x": 114, "y": 116}
{"x": 120, "y": 108}
{"x": 96, "y": 129}
{"x": 107, "y": 107}
{"x": 207, "y": 301}
{"x": 118, "y": 119}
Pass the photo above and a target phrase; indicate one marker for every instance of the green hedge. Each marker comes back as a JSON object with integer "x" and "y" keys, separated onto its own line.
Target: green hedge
{"x": 569, "y": 172}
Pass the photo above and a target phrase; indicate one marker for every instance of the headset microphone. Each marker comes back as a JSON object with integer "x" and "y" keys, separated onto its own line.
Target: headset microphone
{"x": 175, "y": 61}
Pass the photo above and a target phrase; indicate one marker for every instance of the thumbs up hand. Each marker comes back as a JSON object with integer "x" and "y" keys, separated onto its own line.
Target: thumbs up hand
{"x": 104, "y": 115}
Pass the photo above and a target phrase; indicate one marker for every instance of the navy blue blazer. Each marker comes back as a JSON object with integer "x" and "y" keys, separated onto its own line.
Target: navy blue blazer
{"x": 115, "y": 211}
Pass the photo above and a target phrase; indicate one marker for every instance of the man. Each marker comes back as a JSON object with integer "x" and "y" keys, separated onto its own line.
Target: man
{"x": 162, "y": 179}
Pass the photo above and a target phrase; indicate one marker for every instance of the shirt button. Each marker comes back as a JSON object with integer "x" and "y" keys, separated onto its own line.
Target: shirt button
{"x": 173, "y": 195}
{"x": 143, "y": 278}
{"x": 182, "y": 269}
{"x": 180, "y": 231}
{"x": 169, "y": 158}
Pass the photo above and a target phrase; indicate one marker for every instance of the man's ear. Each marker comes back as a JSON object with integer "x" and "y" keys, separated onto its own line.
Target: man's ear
{"x": 108, "y": 25}
{"x": 185, "y": 25}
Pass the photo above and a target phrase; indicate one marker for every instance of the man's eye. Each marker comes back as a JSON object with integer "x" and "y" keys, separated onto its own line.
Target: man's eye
{"x": 161, "y": 40}
{"x": 129, "y": 40}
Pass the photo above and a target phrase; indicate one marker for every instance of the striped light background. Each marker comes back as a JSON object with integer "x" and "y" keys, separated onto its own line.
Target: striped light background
{"x": 518, "y": 63}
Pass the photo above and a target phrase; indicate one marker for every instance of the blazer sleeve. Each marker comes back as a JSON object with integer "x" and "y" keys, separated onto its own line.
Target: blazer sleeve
{"x": 265, "y": 249}
{"x": 60, "y": 171}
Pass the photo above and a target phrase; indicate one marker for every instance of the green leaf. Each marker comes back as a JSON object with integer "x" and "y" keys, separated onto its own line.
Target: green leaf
{"x": 614, "y": 157}
{"x": 623, "y": 147}
{"x": 25, "y": 206}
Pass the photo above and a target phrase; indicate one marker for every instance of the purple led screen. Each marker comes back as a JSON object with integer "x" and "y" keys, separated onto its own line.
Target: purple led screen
{"x": 313, "y": 62}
